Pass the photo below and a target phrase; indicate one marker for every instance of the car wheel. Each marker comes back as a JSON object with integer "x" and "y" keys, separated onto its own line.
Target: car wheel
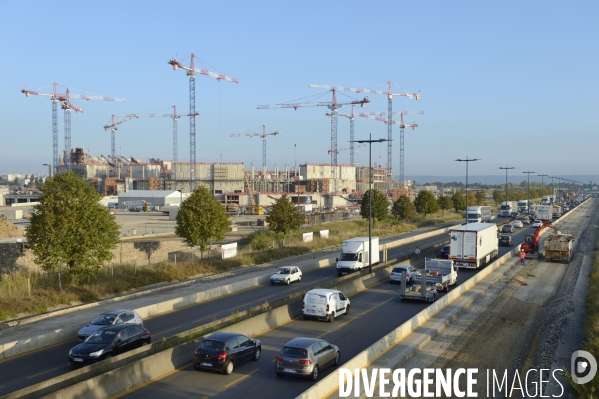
{"x": 279, "y": 374}
{"x": 288, "y": 281}
{"x": 347, "y": 309}
{"x": 391, "y": 281}
{"x": 337, "y": 359}
{"x": 299, "y": 279}
{"x": 229, "y": 368}
{"x": 272, "y": 283}
{"x": 305, "y": 317}
{"x": 108, "y": 356}
{"x": 332, "y": 317}
{"x": 314, "y": 374}
{"x": 144, "y": 343}
{"x": 257, "y": 354}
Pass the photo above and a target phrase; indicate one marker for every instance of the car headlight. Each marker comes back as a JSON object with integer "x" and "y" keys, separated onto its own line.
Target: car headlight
{"x": 70, "y": 352}
{"x": 96, "y": 354}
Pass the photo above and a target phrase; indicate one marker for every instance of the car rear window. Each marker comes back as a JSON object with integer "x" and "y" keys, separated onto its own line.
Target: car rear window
{"x": 316, "y": 299}
{"x": 211, "y": 345}
{"x": 294, "y": 352}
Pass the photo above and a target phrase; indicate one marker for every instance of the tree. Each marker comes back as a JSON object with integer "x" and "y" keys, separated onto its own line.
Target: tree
{"x": 69, "y": 227}
{"x": 284, "y": 217}
{"x": 479, "y": 197}
{"x": 425, "y": 203}
{"x": 459, "y": 201}
{"x": 403, "y": 208}
{"x": 445, "y": 202}
{"x": 380, "y": 205}
{"x": 498, "y": 197}
{"x": 202, "y": 219}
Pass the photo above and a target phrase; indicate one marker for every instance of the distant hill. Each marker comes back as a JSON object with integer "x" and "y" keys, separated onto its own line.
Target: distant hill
{"x": 497, "y": 179}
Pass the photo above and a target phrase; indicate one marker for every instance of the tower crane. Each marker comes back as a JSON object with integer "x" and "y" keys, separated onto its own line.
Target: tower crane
{"x": 333, "y": 106}
{"x": 191, "y": 72}
{"x": 351, "y": 133}
{"x": 390, "y": 95}
{"x": 347, "y": 148}
{"x": 67, "y": 106}
{"x": 174, "y": 116}
{"x": 262, "y": 135}
{"x": 402, "y": 126}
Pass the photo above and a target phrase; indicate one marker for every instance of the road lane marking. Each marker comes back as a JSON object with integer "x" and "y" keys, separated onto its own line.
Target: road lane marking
{"x": 384, "y": 302}
{"x": 44, "y": 372}
{"x": 323, "y": 334}
{"x": 371, "y": 309}
{"x": 203, "y": 318}
{"x": 243, "y": 377}
{"x": 153, "y": 380}
{"x": 345, "y": 322}
{"x": 170, "y": 329}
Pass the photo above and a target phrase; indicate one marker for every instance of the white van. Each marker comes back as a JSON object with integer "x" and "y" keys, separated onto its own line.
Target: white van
{"x": 324, "y": 304}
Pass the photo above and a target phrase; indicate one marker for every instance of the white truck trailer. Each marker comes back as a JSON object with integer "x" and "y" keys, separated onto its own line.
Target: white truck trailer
{"x": 557, "y": 211}
{"x": 439, "y": 272}
{"x": 355, "y": 255}
{"x": 544, "y": 212}
{"x": 507, "y": 207}
{"x": 478, "y": 214}
{"x": 473, "y": 245}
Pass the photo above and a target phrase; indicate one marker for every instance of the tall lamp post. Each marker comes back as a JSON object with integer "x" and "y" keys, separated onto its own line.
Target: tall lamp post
{"x": 506, "y": 169}
{"x": 528, "y": 194}
{"x": 542, "y": 186}
{"x": 467, "y": 160}
{"x": 370, "y": 141}
{"x": 49, "y": 169}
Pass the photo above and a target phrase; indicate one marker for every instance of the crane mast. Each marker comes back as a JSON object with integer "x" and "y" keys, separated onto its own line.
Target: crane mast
{"x": 262, "y": 135}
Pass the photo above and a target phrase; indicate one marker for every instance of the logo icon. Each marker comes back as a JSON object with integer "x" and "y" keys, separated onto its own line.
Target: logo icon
{"x": 580, "y": 362}
{"x": 454, "y": 238}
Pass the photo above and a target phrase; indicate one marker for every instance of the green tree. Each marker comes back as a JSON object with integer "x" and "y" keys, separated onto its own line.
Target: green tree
{"x": 459, "y": 201}
{"x": 498, "y": 197}
{"x": 202, "y": 219}
{"x": 425, "y": 203}
{"x": 445, "y": 202}
{"x": 70, "y": 228}
{"x": 380, "y": 205}
{"x": 284, "y": 217}
{"x": 479, "y": 197}
{"x": 403, "y": 209}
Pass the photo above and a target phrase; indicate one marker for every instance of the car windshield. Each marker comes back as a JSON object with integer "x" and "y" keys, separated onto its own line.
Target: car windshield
{"x": 294, "y": 352}
{"x": 400, "y": 269}
{"x": 348, "y": 257}
{"x": 101, "y": 337}
{"x": 104, "y": 320}
{"x": 211, "y": 345}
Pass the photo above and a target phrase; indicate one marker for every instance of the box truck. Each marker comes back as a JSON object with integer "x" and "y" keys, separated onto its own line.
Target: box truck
{"x": 544, "y": 212}
{"x": 355, "y": 255}
{"x": 507, "y": 207}
{"x": 473, "y": 245}
{"x": 478, "y": 214}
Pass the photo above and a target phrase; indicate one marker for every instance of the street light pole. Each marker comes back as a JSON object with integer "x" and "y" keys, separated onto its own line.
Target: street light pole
{"x": 467, "y": 161}
{"x": 542, "y": 186}
{"x": 370, "y": 141}
{"x": 49, "y": 169}
{"x": 528, "y": 195}
{"x": 506, "y": 169}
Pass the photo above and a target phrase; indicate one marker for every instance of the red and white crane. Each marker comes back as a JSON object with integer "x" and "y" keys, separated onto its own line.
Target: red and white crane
{"x": 333, "y": 106}
{"x": 263, "y": 136}
{"x": 389, "y": 93}
{"x": 191, "y": 72}
{"x": 402, "y": 126}
{"x": 67, "y": 106}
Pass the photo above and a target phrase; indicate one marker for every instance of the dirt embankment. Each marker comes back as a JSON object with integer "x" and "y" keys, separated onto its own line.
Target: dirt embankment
{"x": 9, "y": 230}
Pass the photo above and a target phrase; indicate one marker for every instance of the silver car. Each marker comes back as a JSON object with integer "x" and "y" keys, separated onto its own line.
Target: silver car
{"x": 113, "y": 317}
{"x": 395, "y": 275}
{"x": 306, "y": 357}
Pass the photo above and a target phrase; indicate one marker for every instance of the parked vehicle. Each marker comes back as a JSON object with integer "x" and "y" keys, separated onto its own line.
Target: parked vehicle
{"x": 395, "y": 274}
{"x": 324, "y": 304}
{"x": 109, "y": 341}
{"x": 559, "y": 247}
{"x": 478, "y": 214}
{"x": 505, "y": 241}
{"x": 473, "y": 245}
{"x": 507, "y": 207}
{"x": 518, "y": 224}
{"x": 286, "y": 275}
{"x": 544, "y": 212}
{"x": 444, "y": 252}
{"x": 507, "y": 228}
{"x": 113, "y": 317}
{"x": 439, "y": 272}
{"x": 306, "y": 357}
{"x": 223, "y": 351}
{"x": 355, "y": 255}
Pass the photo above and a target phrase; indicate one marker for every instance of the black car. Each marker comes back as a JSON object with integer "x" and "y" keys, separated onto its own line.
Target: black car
{"x": 505, "y": 241}
{"x": 515, "y": 215}
{"x": 109, "y": 341}
{"x": 444, "y": 252}
{"x": 507, "y": 228}
{"x": 225, "y": 350}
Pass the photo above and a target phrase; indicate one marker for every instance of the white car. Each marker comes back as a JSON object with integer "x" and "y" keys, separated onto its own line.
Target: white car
{"x": 286, "y": 275}
{"x": 537, "y": 223}
{"x": 518, "y": 224}
{"x": 395, "y": 275}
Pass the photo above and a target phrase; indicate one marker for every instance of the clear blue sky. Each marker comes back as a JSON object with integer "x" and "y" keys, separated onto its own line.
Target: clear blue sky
{"x": 512, "y": 82}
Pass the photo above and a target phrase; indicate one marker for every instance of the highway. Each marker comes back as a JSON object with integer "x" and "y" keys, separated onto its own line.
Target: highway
{"x": 18, "y": 373}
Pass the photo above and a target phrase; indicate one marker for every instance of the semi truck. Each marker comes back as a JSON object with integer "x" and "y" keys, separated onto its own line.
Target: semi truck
{"x": 544, "y": 212}
{"x": 478, "y": 214}
{"x": 473, "y": 245}
{"x": 557, "y": 211}
{"x": 439, "y": 272}
{"x": 507, "y": 207}
{"x": 355, "y": 255}
{"x": 524, "y": 205}
{"x": 559, "y": 247}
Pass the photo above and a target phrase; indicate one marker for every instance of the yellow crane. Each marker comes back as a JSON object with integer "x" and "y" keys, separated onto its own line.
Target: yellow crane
{"x": 252, "y": 209}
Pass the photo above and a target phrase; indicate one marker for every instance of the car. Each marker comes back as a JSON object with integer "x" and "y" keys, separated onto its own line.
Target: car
{"x": 507, "y": 228}
{"x": 286, "y": 275}
{"x": 396, "y": 272}
{"x": 505, "y": 241}
{"x": 109, "y": 341}
{"x": 525, "y": 220}
{"x": 306, "y": 357}
{"x": 518, "y": 224}
{"x": 324, "y": 304}
{"x": 565, "y": 209}
{"x": 113, "y": 317}
{"x": 537, "y": 223}
{"x": 444, "y": 252}
{"x": 514, "y": 215}
{"x": 223, "y": 351}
